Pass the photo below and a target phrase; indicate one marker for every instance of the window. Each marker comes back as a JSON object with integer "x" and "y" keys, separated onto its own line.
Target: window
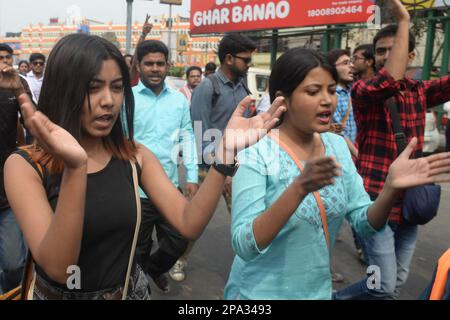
{"x": 262, "y": 82}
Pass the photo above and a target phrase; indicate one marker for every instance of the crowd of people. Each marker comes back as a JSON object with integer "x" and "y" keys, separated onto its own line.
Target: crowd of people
{"x": 98, "y": 170}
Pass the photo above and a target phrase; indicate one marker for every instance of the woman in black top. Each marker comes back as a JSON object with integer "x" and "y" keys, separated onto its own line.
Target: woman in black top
{"x": 84, "y": 138}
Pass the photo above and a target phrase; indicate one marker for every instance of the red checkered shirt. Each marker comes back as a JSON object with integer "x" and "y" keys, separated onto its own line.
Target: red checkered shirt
{"x": 375, "y": 139}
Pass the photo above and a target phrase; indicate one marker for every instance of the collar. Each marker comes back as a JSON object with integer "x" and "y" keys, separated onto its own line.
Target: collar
{"x": 143, "y": 89}
{"x": 31, "y": 75}
{"x": 340, "y": 89}
{"x": 225, "y": 80}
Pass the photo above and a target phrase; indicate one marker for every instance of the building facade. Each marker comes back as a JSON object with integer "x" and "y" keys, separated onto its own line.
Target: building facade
{"x": 186, "y": 50}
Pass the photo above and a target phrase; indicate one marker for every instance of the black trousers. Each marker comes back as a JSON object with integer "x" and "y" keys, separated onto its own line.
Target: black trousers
{"x": 171, "y": 245}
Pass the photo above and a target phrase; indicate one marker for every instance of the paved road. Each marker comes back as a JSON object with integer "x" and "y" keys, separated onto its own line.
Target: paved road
{"x": 211, "y": 258}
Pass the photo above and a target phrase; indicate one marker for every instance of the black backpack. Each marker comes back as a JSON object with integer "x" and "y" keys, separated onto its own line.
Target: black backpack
{"x": 216, "y": 88}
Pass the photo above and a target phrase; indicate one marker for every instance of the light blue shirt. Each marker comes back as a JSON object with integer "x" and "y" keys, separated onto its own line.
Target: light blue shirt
{"x": 163, "y": 124}
{"x": 344, "y": 98}
{"x": 296, "y": 265}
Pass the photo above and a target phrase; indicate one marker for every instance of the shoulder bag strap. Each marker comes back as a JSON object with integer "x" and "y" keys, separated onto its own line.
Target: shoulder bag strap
{"x": 349, "y": 108}
{"x": 216, "y": 88}
{"x": 441, "y": 278}
{"x": 400, "y": 137}
{"x": 136, "y": 230}
{"x": 319, "y": 201}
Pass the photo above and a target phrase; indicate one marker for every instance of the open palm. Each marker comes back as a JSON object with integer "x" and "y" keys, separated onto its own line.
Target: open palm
{"x": 406, "y": 173}
{"x": 51, "y": 137}
{"x": 242, "y": 132}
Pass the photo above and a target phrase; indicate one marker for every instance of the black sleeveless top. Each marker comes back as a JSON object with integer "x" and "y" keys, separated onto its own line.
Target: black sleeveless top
{"x": 108, "y": 230}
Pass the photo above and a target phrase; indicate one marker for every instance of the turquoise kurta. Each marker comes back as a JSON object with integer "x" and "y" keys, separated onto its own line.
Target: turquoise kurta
{"x": 296, "y": 265}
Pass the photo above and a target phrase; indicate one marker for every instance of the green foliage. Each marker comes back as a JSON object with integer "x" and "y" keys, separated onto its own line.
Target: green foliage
{"x": 177, "y": 72}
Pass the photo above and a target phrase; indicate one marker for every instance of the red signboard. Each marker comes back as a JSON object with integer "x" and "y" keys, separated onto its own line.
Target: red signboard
{"x": 216, "y": 16}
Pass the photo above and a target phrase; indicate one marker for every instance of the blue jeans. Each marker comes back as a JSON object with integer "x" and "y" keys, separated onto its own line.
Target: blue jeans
{"x": 391, "y": 250}
{"x": 12, "y": 251}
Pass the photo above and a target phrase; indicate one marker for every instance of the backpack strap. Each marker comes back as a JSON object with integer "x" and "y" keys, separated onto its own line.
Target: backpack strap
{"x": 216, "y": 88}
{"x": 244, "y": 84}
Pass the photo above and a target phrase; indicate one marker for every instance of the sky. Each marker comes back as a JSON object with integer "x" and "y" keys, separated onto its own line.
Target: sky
{"x": 15, "y": 14}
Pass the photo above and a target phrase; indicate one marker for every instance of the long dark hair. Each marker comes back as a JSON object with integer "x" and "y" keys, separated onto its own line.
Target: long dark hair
{"x": 72, "y": 65}
{"x": 292, "y": 68}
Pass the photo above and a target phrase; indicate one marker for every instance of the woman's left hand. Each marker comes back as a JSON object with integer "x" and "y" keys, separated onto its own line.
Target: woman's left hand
{"x": 242, "y": 132}
{"x": 406, "y": 173}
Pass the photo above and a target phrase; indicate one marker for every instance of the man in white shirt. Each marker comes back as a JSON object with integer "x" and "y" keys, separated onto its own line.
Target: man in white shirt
{"x": 36, "y": 75}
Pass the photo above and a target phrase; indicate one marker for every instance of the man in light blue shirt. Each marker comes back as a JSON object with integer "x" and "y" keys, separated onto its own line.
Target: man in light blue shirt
{"x": 163, "y": 124}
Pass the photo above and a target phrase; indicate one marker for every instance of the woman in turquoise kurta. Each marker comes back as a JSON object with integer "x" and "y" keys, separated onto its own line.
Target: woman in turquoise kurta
{"x": 277, "y": 231}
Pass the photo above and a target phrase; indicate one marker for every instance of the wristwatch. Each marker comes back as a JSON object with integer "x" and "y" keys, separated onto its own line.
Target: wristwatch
{"x": 228, "y": 170}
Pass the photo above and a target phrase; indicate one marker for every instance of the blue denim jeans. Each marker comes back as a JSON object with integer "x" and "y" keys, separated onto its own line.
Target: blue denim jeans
{"x": 391, "y": 250}
{"x": 12, "y": 251}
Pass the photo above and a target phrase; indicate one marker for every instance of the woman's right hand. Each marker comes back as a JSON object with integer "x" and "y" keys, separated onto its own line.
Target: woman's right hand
{"x": 51, "y": 137}
{"x": 319, "y": 171}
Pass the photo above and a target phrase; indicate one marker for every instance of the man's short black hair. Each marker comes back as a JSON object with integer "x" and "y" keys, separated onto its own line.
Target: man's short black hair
{"x": 37, "y": 56}
{"x": 152, "y": 46}
{"x": 367, "y": 51}
{"x": 234, "y": 43}
{"x": 211, "y": 66}
{"x": 335, "y": 54}
{"x": 190, "y": 69}
{"x": 389, "y": 32}
{"x": 5, "y": 47}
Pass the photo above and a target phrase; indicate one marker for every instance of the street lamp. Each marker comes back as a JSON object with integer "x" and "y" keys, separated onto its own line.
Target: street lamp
{"x": 129, "y": 21}
{"x": 129, "y": 18}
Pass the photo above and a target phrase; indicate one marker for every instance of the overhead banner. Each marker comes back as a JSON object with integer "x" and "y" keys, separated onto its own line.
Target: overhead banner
{"x": 217, "y": 16}
{"x": 425, "y": 4}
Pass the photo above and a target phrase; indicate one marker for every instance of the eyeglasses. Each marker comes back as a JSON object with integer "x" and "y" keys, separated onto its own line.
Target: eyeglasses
{"x": 345, "y": 63}
{"x": 7, "y": 57}
{"x": 246, "y": 60}
{"x": 40, "y": 63}
{"x": 356, "y": 58}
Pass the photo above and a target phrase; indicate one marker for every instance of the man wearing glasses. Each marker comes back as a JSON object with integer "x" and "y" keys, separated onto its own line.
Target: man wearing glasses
{"x": 213, "y": 102}
{"x": 36, "y": 75}
{"x": 363, "y": 62}
{"x": 215, "y": 99}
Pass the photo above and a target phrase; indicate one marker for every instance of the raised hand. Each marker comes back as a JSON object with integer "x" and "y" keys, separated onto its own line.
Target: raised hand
{"x": 399, "y": 11}
{"x": 242, "y": 132}
{"x": 406, "y": 173}
{"x": 10, "y": 79}
{"x": 52, "y": 138}
{"x": 147, "y": 28}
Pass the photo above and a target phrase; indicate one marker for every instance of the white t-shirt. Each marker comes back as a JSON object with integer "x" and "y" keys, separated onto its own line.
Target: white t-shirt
{"x": 35, "y": 85}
